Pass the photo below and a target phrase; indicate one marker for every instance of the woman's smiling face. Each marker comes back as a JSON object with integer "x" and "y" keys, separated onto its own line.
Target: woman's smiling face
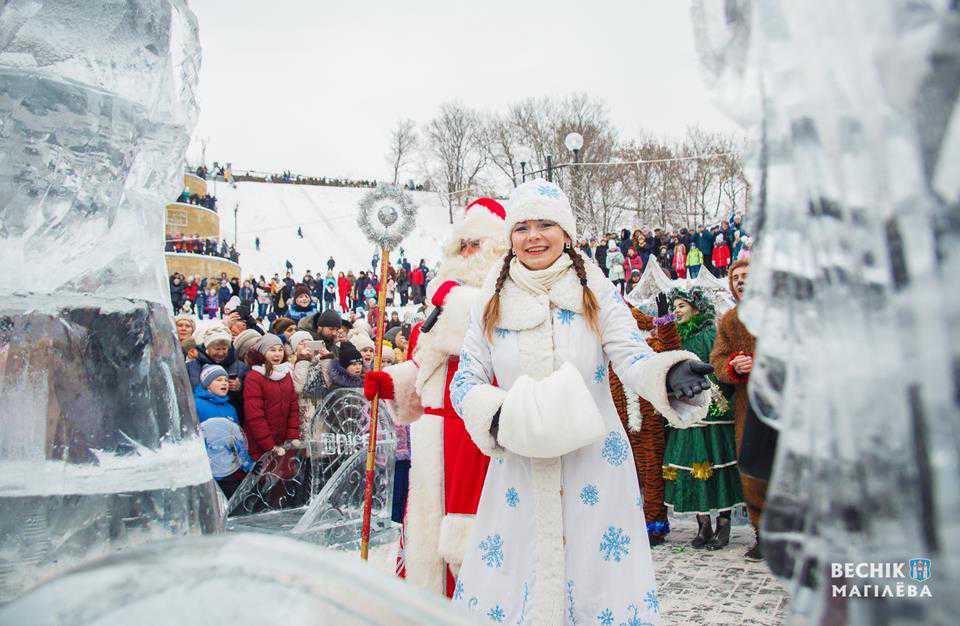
{"x": 537, "y": 243}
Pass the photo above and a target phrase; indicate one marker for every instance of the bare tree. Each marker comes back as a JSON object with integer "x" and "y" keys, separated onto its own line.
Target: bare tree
{"x": 403, "y": 141}
{"x": 454, "y": 151}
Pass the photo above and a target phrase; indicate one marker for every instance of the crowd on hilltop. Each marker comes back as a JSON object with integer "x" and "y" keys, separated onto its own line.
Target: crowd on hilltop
{"x": 681, "y": 253}
{"x": 289, "y": 178}
{"x": 196, "y": 244}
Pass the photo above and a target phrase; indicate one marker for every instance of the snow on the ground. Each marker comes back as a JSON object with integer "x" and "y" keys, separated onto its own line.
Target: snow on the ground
{"x": 328, "y": 216}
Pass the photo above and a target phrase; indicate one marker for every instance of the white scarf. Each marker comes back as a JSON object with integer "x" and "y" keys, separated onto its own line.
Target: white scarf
{"x": 539, "y": 282}
{"x": 277, "y": 373}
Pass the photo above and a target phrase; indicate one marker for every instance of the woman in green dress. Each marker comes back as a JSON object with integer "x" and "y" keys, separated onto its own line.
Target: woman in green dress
{"x": 700, "y": 462}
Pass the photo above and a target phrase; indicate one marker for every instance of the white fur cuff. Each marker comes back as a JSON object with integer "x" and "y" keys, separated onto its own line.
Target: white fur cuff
{"x": 454, "y": 533}
{"x": 548, "y": 418}
{"x": 405, "y": 406}
{"x": 680, "y": 413}
{"x": 479, "y": 406}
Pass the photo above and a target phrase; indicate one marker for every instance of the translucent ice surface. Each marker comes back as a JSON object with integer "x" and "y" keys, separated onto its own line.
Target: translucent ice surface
{"x": 235, "y": 579}
{"x": 852, "y": 293}
{"x": 99, "y": 447}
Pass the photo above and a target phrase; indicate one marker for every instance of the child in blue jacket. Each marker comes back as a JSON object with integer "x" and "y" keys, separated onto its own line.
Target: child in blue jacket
{"x": 226, "y": 445}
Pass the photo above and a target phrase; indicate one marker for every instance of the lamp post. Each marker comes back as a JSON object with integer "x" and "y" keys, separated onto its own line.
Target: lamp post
{"x": 573, "y": 141}
{"x": 236, "y": 208}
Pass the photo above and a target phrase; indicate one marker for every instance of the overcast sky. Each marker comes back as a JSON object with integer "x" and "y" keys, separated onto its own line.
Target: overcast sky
{"x": 315, "y": 86}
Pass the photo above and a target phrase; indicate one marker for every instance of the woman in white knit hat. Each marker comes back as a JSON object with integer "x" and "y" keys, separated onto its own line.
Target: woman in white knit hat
{"x": 560, "y": 535}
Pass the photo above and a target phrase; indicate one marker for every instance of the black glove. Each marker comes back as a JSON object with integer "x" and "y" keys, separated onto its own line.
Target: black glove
{"x": 663, "y": 307}
{"x": 688, "y": 378}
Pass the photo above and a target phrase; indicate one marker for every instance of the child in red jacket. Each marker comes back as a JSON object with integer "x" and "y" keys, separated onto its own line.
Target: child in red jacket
{"x": 272, "y": 415}
{"x": 721, "y": 255}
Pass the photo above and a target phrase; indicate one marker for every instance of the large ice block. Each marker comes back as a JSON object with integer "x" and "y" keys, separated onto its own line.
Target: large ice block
{"x": 236, "y": 579}
{"x": 852, "y": 291}
{"x": 99, "y": 446}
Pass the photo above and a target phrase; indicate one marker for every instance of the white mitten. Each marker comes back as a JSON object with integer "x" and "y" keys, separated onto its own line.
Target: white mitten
{"x": 550, "y": 417}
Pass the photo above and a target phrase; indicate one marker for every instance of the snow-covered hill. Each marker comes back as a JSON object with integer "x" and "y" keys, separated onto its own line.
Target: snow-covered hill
{"x": 328, "y": 216}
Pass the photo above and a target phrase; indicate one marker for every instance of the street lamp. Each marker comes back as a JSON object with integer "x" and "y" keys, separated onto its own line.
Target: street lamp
{"x": 573, "y": 142}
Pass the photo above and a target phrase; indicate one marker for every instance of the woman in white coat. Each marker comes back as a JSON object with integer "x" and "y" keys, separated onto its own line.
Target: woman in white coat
{"x": 560, "y": 534}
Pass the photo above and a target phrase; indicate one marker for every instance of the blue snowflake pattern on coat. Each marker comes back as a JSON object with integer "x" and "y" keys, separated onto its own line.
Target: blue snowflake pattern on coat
{"x": 590, "y": 495}
{"x": 638, "y": 357}
{"x": 523, "y": 607}
{"x": 458, "y": 590}
{"x": 463, "y": 381}
{"x": 652, "y": 601}
{"x": 513, "y": 498}
{"x": 491, "y": 550}
{"x": 565, "y": 317}
{"x": 600, "y": 374}
{"x": 502, "y": 332}
{"x": 636, "y": 337}
{"x": 605, "y": 617}
{"x": 496, "y": 614}
{"x": 615, "y": 448}
{"x": 571, "y": 605}
{"x": 614, "y": 544}
{"x": 549, "y": 191}
{"x": 633, "y": 617}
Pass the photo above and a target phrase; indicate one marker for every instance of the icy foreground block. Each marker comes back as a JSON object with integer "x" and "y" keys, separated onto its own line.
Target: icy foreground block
{"x": 99, "y": 447}
{"x": 852, "y": 291}
{"x": 231, "y": 579}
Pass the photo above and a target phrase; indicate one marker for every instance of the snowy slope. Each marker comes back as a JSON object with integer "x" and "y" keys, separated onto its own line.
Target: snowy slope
{"x": 328, "y": 216}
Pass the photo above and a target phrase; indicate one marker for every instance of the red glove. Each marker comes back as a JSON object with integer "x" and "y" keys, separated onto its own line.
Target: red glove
{"x": 732, "y": 373}
{"x": 378, "y": 384}
{"x": 440, "y": 295}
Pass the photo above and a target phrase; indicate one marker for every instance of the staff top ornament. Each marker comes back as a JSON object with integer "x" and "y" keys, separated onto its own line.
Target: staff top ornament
{"x": 387, "y": 215}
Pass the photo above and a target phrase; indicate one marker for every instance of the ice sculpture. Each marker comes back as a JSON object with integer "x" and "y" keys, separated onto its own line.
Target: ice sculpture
{"x": 99, "y": 447}
{"x": 315, "y": 493}
{"x": 852, "y": 292}
{"x": 241, "y": 580}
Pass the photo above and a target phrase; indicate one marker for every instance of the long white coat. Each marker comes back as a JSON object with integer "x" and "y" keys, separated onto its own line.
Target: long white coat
{"x": 559, "y": 539}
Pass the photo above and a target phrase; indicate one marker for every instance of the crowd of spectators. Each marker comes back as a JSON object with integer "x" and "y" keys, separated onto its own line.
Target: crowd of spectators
{"x": 288, "y": 178}
{"x": 195, "y": 244}
{"x": 260, "y": 372}
{"x": 681, "y": 253}
{"x": 207, "y": 201}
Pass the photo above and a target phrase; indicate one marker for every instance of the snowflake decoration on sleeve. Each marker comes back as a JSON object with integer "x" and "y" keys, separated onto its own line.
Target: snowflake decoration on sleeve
{"x": 605, "y": 617}
{"x": 513, "y": 498}
{"x": 458, "y": 590}
{"x": 615, "y": 449}
{"x": 590, "y": 495}
{"x": 565, "y": 317}
{"x": 600, "y": 374}
{"x": 502, "y": 332}
{"x": 614, "y": 544}
{"x": 491, "y": 550}
{"x": 636, "y": 337}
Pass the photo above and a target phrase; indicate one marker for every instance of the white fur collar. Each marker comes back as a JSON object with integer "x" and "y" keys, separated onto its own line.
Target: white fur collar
{"x": 522, "y": 310}
{"x": 278, "y": 372}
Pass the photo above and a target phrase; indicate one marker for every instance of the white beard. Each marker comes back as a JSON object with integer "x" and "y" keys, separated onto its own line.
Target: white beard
{"x": 474, "y": 268}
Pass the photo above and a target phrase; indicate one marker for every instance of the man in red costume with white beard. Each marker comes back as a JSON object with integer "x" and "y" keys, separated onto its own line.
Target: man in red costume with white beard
{"x": 447, "y": 469}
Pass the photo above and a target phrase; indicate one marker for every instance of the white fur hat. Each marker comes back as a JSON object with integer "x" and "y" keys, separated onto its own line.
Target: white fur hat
{"x": 540, "y": 200}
